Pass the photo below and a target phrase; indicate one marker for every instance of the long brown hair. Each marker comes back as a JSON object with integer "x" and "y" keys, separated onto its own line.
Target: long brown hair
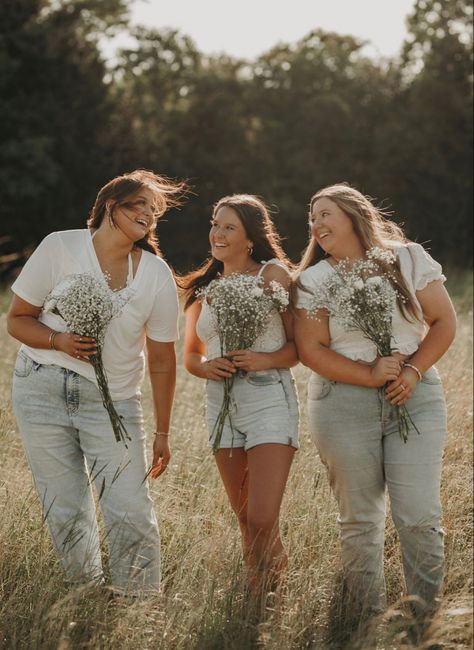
{"x": 259, "y": 228}
{"x": 120, "y": 189}
{"x": 373, "y": 228}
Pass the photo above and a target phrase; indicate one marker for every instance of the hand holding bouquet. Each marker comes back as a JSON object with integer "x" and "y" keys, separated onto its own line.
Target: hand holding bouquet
{"x": 87, "y": 305}
{"x": 361, "y": 296}
{"x": 240, "y": 306}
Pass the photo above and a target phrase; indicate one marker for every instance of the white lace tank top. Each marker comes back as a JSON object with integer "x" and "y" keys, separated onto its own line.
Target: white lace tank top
{"x": 270, "y": 340}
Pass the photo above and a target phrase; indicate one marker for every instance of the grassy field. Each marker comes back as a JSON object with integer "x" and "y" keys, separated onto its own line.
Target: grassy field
{"x": 202, "y": 605}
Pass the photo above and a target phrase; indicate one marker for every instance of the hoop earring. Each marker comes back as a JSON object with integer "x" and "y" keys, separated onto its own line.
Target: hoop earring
{"x": 250, "y": 250}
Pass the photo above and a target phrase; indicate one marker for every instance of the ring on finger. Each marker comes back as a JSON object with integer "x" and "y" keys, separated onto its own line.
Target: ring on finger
{"x": 402, "y": 387}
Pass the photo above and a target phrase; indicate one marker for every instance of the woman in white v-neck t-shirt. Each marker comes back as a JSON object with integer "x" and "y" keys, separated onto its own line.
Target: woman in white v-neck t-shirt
{"x": 64, "y": 426}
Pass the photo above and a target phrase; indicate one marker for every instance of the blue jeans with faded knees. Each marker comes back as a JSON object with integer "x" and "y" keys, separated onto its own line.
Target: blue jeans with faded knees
{"x": 355, "y": 430}
{"x": 70, "y": 445}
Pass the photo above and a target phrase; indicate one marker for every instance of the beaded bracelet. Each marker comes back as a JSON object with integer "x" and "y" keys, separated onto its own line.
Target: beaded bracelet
{"x": 52, "y": 336}
{"x": 410, "y": 365}
{"x": 160, "y": 433}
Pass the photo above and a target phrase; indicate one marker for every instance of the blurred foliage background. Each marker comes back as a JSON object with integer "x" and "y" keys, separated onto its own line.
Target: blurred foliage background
{"x": 300, "y": 116}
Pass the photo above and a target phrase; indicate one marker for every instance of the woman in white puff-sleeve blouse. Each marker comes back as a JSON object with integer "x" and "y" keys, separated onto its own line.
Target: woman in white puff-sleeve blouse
{"x": 352, "y": 395}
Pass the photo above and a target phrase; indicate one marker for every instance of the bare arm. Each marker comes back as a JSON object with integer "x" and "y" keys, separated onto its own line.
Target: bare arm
{"x": 23, "y": 325}
{"x": 312, "y": 342}
{"x": 162, "y": 369}
{"x": 439, "y": 315}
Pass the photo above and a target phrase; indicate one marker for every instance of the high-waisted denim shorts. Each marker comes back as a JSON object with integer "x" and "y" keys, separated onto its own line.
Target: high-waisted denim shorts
{"x": 264, "y": 409}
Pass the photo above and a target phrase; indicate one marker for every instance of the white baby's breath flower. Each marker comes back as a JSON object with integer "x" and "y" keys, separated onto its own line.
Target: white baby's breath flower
{"x": 376, "y": 280}
{"x": 86, "y": 304}
{"x": 240, "y": 308}
{"x": 369, "y": 309}
{"x": 382, "y": 255}
{"x": 241, "y": 298}
{"x": 280, "y": 295}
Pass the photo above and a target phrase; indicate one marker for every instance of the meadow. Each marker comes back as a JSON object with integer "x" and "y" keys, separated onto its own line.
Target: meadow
{"x": 203, "y": 601}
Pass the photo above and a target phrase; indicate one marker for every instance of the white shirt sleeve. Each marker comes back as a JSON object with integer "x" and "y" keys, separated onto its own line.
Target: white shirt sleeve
{"x": 162, "y": 324}
{"x": 37, "y": 278}
{"x": 425, "y": 269}
{"x": 308, "y": 283}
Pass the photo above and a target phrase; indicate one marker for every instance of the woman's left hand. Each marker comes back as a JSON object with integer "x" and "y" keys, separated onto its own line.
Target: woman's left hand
{"x": 248, "y": 360}
{"x": 399, "y": 391}
{"x": 161, "y": 456}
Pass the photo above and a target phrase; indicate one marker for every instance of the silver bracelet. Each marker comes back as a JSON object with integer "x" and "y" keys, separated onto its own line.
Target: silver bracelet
{"x": 410, "y": 365}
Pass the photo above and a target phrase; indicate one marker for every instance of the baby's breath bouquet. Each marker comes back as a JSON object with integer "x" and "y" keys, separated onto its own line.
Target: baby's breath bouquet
{"x": 87, "y": 305}
{"x": 240, "y": 306}
{"x": 361, "y": 296}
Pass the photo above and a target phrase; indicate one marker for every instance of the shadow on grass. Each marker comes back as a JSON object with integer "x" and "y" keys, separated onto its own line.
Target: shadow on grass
{"x": 232, "y": 626}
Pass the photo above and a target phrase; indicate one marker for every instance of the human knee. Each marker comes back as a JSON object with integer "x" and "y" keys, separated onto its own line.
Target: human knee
{"x": 362, "y": 533}
{"x": 416, "y": 523}
{"x": 138, "y": 518}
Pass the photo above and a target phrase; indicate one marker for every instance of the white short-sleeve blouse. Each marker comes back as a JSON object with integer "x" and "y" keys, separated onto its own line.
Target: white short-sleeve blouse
{"x": 418, "y": 269}
{"x": 151, "y": 311}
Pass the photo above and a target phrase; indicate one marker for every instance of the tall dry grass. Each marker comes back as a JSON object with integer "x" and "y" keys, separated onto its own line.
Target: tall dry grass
{"x": 203, "y": 603}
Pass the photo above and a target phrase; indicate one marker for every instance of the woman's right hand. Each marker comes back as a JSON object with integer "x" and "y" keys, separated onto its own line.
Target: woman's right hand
{"x": 79, "y": 347}
{"x": 218, "y": 369}
{"x": 385, "y": 369}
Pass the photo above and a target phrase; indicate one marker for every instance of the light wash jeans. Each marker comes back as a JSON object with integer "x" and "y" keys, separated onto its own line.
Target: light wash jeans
{"x": 355, "y": 431}
{"x": 70, "y": 445}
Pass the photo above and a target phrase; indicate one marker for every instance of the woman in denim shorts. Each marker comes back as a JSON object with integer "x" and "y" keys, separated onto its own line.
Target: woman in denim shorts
{"x": 352, "y": 394}
{"x": 66, "y": 431}
{"x": 254, "y": 458}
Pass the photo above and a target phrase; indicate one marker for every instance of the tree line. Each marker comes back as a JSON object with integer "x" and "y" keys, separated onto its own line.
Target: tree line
{"x": 298, "y": 117}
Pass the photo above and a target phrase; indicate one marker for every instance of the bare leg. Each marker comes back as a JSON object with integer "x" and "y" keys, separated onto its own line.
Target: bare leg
{"x": 268, "y": 466}
{"x": 234, "y": 474}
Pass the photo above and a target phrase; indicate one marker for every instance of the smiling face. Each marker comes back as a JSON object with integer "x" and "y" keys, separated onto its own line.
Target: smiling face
{"x": 333, "y": 230}
{"x": 229, "y": 241}
{"x": 136, "y": 215}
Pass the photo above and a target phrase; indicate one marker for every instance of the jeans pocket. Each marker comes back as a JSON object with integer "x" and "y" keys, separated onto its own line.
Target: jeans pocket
{"x": 318, "y": 390}
{"x": 263, "y": 378}
{"x": 23, "y": 366}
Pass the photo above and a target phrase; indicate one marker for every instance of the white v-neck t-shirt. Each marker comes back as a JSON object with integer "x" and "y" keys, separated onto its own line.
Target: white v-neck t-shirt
{"x": 151, "y": 311}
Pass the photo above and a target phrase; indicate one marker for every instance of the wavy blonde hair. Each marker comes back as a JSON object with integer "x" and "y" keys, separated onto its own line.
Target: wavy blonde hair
{"x": 373, "y": 228}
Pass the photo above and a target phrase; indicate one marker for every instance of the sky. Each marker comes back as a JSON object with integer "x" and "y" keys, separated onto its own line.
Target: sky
{"x": 246, "y": 28}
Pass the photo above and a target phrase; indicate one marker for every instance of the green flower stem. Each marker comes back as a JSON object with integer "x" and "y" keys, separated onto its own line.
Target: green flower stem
{"x": 404, "y": 419}
{"x": 118, "y": 426}
{"x": 223, "y": 414}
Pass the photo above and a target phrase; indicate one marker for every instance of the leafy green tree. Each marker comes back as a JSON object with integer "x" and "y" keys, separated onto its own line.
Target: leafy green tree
{"x": 299, "y": 117}
{"x": 319, "y": 103}
{"x": 55, "y": 111}
{"x": 430, "y": 136}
